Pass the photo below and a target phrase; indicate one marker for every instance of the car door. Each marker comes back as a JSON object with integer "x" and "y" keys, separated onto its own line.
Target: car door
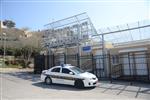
{"x": 55, "y": 75}
{"x": 68, "y": 76}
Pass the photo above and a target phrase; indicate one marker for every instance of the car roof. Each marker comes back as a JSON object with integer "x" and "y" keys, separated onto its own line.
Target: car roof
{"x": 64, "y": 66}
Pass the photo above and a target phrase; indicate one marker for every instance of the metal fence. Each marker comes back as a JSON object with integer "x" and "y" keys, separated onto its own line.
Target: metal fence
{"x": 132, "y": 66}
{"x": 125, "y": 66}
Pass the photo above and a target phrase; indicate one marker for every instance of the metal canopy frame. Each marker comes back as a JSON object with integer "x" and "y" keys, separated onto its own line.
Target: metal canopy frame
{"x": 68, "y": 32}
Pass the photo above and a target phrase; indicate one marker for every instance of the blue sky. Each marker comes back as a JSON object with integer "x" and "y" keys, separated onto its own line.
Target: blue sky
{"x": 103, "y": 13}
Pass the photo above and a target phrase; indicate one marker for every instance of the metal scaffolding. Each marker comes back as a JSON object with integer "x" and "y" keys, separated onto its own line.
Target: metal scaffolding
{"x": 71, "y": 31}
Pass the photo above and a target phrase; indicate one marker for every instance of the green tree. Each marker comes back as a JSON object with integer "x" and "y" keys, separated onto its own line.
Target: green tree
{"x": 9, "y": 23}
{"x": 27, "y": 53}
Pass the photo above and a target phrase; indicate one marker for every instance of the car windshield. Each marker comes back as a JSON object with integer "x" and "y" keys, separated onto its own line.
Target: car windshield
{"x": 77, "y": 70}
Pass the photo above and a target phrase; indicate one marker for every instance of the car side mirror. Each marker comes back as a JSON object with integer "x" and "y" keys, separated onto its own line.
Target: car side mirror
{"x": 71, "y": 73}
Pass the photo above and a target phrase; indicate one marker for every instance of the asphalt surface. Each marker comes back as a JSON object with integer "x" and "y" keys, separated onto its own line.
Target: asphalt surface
{"x": 22, "y": 85}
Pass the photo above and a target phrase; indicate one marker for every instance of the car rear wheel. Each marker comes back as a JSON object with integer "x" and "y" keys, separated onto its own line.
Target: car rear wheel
{"x": 79, "y": 84}
{"x": 48, "y": 80}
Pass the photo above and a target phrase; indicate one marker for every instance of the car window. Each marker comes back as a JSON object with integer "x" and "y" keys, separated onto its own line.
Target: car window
{"x": 77, "y": 70}
{"x": 66, "y": 71}
{"x": 56, "y": 70}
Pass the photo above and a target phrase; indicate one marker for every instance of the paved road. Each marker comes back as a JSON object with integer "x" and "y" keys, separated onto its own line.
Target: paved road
{"x": 21, "y": 85}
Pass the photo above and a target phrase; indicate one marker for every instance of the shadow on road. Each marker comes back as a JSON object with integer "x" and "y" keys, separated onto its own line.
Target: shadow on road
{"x": 25, "y": 76}
{"x": 105, "y": 85}
{"x": 35, "y": 78}
{"x": 60, "y": 87}
{"x": 123, "y": 87}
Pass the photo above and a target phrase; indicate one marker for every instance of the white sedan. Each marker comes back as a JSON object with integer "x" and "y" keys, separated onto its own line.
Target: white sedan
{"x": 70, "y": 75}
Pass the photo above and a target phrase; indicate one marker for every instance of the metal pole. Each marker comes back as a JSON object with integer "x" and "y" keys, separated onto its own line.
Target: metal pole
{"x": 110, "y": 67}
{"x": 147, "y": 63}
{"x": 130, "y": 68}
{"x": 78, "y": 60}
{"x": 130, "y": 32}
{"x": 1, "y": 90}
{"x": 4, "y": 46}
{"x": 65, "y": 56}
{"x": 78, "y": 44}
{"x": 93, "y": 67}
{"x": 49, "y": 61}
{"x": 103, "y": 52}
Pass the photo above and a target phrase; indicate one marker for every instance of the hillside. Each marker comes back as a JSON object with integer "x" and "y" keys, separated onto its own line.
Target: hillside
{"x": 17, "y": 38}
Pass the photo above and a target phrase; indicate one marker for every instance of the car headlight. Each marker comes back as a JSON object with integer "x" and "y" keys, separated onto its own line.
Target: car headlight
{"x": 43, "y": 72}
{"x": 92, "y": 78}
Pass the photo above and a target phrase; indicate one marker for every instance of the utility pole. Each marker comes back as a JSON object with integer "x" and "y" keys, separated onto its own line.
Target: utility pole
{"x": 4, "y": 46}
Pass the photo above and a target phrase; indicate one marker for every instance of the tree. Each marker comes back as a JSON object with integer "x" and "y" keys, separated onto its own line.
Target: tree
{"x": 30, "y": 46}
{"x": 9, "y": 23}
{"x": 27, "y": 53}
{"x": 21, "y": 46}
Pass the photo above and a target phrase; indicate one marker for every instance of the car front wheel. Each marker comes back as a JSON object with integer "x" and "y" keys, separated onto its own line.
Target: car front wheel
{"x": 48, "y": 80}
{"x": 79, "y": 84}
